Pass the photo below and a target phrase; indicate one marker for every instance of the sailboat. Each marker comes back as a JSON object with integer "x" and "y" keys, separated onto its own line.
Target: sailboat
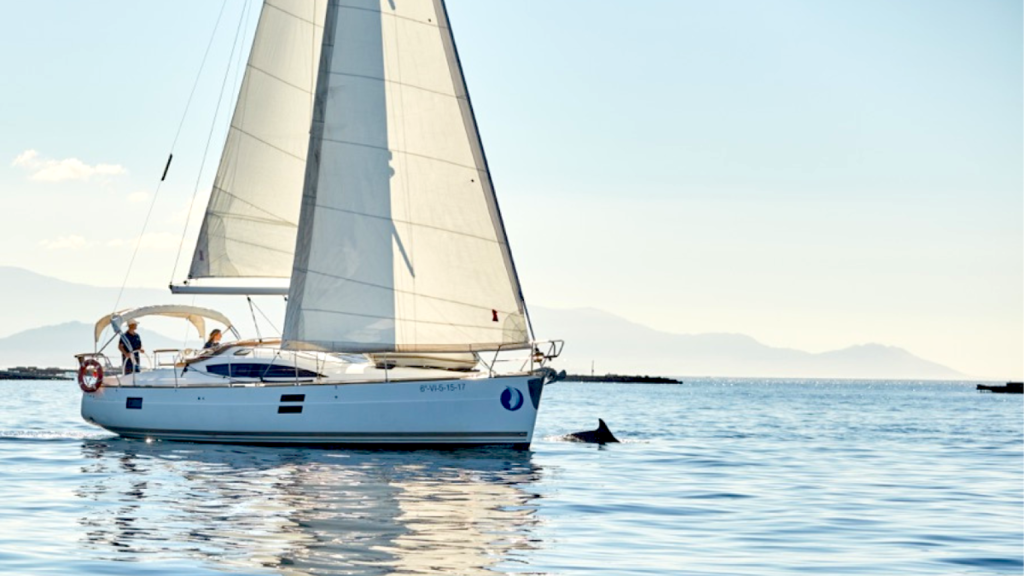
{"x": 354, "y": 177}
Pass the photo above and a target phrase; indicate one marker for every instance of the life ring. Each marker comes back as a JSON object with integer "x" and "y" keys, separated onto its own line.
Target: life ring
{"x": 90, "y": 375}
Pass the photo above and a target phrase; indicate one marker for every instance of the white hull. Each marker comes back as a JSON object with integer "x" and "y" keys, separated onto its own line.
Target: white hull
{"x": 474, "y": 411}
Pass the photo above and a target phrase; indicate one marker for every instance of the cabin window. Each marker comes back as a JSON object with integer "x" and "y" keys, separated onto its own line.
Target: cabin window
{"x": 252, "y": 370}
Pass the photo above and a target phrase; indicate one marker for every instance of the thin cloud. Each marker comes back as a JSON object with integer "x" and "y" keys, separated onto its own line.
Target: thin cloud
{"x": 156, "y": 241}
{"x": 71, "y": 242}
{"x": 136, "y": 197}
{"x": 50, "y": 170}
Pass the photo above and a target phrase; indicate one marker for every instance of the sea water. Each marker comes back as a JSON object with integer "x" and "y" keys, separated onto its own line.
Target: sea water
{"x": 712, "y": 477}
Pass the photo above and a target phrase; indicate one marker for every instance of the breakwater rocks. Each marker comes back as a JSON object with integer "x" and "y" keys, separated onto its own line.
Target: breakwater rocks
{"x": 34, "y": 373}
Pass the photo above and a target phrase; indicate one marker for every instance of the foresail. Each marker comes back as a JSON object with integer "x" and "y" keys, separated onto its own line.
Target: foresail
{"x": 400, "y": 246}
{"x": 252, "y": 217}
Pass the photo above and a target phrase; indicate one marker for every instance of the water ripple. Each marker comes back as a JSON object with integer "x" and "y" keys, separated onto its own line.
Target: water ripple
{"x": 744, "y": 477}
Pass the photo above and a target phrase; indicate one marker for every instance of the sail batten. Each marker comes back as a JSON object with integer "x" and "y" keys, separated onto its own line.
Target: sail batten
{"x": 400, "y": 244}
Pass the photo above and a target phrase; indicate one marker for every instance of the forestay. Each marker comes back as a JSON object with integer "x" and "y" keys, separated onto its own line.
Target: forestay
{"x": 251, "y": 219}
{"x": 400, "y": 245}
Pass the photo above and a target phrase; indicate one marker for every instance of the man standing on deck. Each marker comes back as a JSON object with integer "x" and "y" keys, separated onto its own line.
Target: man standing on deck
{"x": 130, "y": 346}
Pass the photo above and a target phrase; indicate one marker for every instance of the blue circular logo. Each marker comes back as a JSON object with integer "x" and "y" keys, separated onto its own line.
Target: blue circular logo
{"x": 512, "y": 399}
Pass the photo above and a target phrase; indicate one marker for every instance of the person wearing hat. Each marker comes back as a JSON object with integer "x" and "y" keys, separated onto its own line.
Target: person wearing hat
{"x": 130, "y": 346}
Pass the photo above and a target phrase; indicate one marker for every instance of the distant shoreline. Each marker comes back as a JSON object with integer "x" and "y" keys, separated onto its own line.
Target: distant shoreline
{"x": 34, "y": 373}
{"x": 623, "y": 379}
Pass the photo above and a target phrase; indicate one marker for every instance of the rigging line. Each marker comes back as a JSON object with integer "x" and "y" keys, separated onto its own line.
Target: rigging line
{"x": 209, "y": 137}
{"x": 202, "y": 64}
{"x": 239, "y": 65}
{"x": 265, "y": 317}
{"x": 174, "y": 142}
{"x": 252, "y": 311}
{"x": 313, "y": 64}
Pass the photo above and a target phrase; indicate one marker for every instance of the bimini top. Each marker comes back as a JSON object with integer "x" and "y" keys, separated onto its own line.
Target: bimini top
{"x": 195, "y": 315}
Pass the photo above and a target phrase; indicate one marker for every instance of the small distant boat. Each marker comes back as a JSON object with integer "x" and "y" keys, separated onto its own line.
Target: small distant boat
{"x": 1008, "y": 388}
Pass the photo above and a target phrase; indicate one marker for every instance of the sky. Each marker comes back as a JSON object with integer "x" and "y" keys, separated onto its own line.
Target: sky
{"x": 813, "y": 174}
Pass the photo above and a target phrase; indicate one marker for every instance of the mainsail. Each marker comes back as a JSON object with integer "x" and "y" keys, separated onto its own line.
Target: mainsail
{"x": 251, "y": 220}
{"x": 400, "y": 244}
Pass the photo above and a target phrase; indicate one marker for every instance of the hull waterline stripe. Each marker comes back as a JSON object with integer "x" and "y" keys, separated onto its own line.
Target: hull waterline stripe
{"x": 319, "y": 436}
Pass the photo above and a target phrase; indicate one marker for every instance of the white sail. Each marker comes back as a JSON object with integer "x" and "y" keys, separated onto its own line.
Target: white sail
{"x": 251, "y": 220}
{"x": 400, "y": 245}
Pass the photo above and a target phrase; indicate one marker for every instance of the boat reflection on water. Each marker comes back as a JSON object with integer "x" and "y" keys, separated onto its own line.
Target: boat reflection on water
{"x": 294, "y": 511}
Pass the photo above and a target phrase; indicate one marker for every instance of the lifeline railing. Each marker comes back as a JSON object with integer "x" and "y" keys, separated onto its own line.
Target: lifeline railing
{"x": 539, "y": 353}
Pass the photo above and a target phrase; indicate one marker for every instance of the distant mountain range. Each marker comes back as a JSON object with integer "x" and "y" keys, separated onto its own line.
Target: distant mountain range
{"x": 617, "y": 345}
{"x": 46, "y": 321}
{"x": 30, "y": 300}
{"x": 55, "y": 346}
